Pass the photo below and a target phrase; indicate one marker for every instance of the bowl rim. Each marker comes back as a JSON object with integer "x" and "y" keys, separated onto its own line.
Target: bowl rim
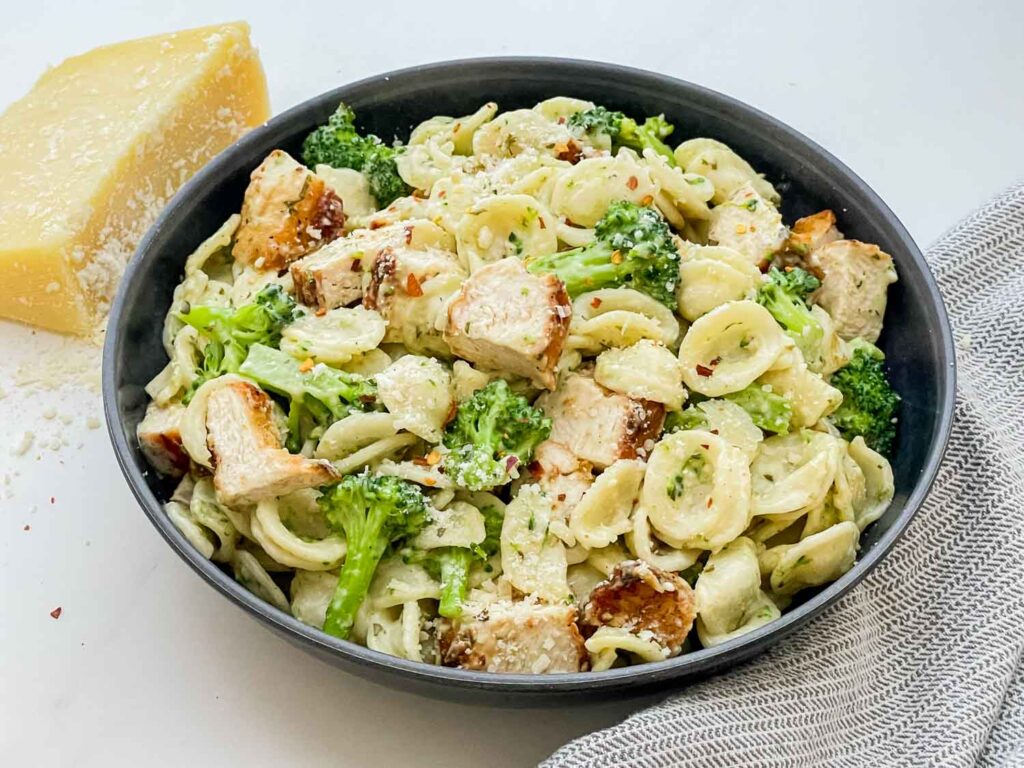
{"x": 692, "y": 664}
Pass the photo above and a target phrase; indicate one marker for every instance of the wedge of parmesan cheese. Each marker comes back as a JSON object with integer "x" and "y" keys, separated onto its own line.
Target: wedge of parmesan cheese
{"x": 90, "y": 156}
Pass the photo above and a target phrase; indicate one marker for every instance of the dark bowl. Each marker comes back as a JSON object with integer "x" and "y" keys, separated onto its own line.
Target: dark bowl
{"x": 917, "y": 334}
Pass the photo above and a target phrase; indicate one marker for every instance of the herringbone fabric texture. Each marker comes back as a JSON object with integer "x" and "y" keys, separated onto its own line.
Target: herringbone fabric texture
{"x": 920, "y": 665}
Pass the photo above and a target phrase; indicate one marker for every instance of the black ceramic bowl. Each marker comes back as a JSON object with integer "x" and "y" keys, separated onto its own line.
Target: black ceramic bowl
{"x": 917, "y": 335}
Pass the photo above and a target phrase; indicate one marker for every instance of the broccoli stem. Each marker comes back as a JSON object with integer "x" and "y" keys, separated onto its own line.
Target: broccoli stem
{"x": 361, "y": 562}
{"x": 454, "y": 563}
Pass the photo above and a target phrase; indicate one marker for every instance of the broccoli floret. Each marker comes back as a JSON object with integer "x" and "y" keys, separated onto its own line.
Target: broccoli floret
{"x": 785, "y": 294}
{"x": 231, "y": 332}
{"x": 632, "y": 247}
{"x": 869, "y": 402}
{"x": 769, "y": 411}
{"x": 493, "y": 432}
{"x": 339, "y": 145}
{"x": 373, "y": 512}
{"x": 317, "y": 396}
{"x": 624, "y": 131}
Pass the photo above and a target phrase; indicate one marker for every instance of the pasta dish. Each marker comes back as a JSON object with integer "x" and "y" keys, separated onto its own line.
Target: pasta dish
{"x": 529, "y": 391}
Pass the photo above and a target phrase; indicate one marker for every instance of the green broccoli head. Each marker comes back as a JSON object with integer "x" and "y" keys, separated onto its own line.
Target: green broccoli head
{"x": 598, "y": 121}
{"x": 372, "y": 512}
{"x": 632, "y": 248}
{"x": 317, "y": 396}
{"x": 869, "y": 402}
{"x": 649, "y": 134}
{"x": 623, "y": 131}
{"x": 229, "y": 333}
{"x": 768, "y": 410}
{"x": 784, "y": 295}
{"x": 339, "y": 145}
{"x": 493, "y": 432}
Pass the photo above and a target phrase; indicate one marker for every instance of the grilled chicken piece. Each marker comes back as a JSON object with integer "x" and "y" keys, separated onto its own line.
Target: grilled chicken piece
{"x": 519, "y": 637}
{"x": 561, "y": 475}
{"x": 854, "y": 286}
{"x": 749, "y": 224}
{"x": 159, "y": 436}
{"x": 805, "y": 237}
{"x": 641, "y": 598}
{"x": 409, "y": 288}
{"x": 249, "y": 462}
{"x": 812, "y": 232}
{"x": 505, "y": 318}
{"x": 287, "y": 212}
{"x": 336, "y": 275}
{"x": 598, "y": 425}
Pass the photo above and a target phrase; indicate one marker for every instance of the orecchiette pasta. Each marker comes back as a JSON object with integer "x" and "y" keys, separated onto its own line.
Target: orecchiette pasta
{"x": 602, "y": 515}
{"x": 697, "y": 489}
{"x": 816, "y": 560}
{"x": 710, "y": 276}
{"x": 726, "y": 170}
{"x": 502, "y": 226}
{"x": 794, "y": 471}
{"x": 728, "y": 348}
{"x": 417, "y": 391}
{"x": 292, "y": 541}
{"x": 645, "y": 371}
{"x": 334, "y": 337}
{"x": 619, "y": 317}
{"x": 811, "y": 397}
{"x": 583, "y": 193}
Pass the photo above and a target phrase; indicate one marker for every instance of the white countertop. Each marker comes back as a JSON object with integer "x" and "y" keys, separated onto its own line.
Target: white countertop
{"x": 148, "y": 665}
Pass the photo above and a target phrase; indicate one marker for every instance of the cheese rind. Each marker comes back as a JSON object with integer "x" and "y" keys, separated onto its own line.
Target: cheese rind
{"x": 90, "y": 156}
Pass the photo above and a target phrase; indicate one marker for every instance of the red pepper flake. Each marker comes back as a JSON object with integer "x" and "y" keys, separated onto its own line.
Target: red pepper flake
{"x": 433, "y": 458}
{"x": 561, "y": 121}
{"x": 306, "y": 365}
{"x": 535, "y": 468}
{"x": 412, "y": 286}
{"x": 408, "y": 235}
{"x": 420, "y": 461}
{"x": 595, "y": 302}
{"x": 56, "y": 612}
{"x": 710, "y": 502}
{"x": 540, "y": 221}
{"x": 705, "y": 446}
{"x": 616, "y": 257}
{"x": 764, "y": 265}
{"x": 429, "y": 481}
{"x": 357, "y": 265}
{"x": 631, "y": 182}
{"x": 52, "y": 500}
{"x": 321, "y": 312}
{"x": 376, "y": 224}
{"x": 647, "y": 200}
{"x": 442, "y": 194}
{"x": 561, "y": 497}
{"x": 27, "y": 527}
{"x": 703, "y": 370}
{"x": 511, "y": 462}
{"x": 713, "y": 431}
{"x": 453, "y": 409}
